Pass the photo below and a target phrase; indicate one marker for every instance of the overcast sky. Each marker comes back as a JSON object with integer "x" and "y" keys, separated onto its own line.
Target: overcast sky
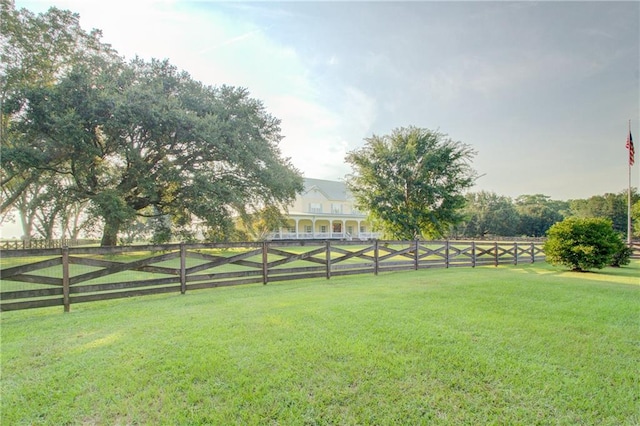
{"x": 542, "y": 90}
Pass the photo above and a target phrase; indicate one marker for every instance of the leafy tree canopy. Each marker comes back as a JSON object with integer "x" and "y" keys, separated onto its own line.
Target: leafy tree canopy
{"x": 411, "y": 181}
{"x": 35, "y": 51}
{"x": 538, "y": 213}
{"x": 144, "y": 139}
{"x": 486, "y": 213}
{"x": 609, "y": 205}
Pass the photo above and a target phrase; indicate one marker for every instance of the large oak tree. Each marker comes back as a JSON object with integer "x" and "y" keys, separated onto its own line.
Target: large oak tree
{"x": 145, "y": 139}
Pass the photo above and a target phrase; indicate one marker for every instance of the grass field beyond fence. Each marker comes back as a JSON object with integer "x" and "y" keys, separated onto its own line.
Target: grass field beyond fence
{"x": 527, "y": 344}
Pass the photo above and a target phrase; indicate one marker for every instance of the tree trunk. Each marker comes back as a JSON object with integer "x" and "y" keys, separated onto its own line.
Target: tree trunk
{"x": 110, "y": 233}
{"x": 27, "y": 224}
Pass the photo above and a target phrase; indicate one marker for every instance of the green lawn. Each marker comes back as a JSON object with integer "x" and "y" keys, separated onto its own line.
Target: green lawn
{"x": 524, "y": 345}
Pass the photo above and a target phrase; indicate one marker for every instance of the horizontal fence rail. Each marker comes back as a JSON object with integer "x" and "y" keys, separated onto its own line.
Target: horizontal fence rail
{"x": 33, "y": 278}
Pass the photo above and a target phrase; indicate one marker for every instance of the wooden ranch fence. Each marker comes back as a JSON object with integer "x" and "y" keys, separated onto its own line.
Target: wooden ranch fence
{"x": 33, "y": 278}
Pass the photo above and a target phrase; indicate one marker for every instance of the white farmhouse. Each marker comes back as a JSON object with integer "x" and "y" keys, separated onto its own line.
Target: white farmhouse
{"x": 325, "y": 210}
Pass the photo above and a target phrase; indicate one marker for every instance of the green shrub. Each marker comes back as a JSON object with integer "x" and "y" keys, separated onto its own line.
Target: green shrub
{"x": 623, "y": 255}
{"x": 582, "y": 243}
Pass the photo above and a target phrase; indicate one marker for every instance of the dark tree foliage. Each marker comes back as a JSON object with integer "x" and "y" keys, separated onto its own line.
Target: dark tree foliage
{"x": 609, "y": 205}
{"x": 411, "y": 181}
{"x": 538, "y": 213}
{"x": 487, "y": 214}
{"x": 635, "y": 217}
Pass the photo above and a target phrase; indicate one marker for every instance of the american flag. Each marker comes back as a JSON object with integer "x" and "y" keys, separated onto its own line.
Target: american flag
{"x": 632, "y": 151}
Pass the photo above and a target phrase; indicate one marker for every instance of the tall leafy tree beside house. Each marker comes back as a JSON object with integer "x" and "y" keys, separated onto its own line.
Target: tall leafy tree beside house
{"x": 411, "y": 181}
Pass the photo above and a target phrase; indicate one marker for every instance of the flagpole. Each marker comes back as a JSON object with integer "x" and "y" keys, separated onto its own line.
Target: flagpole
{"x": 629, "y": 189}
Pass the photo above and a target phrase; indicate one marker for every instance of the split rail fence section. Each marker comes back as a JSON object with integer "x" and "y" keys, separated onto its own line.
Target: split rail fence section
{"x": 35, "y": 278}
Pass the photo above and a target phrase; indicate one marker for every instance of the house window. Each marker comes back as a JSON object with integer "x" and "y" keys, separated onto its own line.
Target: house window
{"x": 363, "y": 228}
{"x": 336, "y": 208}
{"x": 323, "y": 228}
{"x": 315, "y": 208}
{"x": 350, "y": 230}
{"x": 307, "y": 229}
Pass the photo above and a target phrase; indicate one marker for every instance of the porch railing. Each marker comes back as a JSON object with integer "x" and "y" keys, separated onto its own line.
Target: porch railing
{"x": 323, "y": 236}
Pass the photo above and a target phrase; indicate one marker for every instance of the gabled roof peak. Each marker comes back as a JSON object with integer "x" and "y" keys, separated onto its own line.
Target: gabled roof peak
{"x": 333, "y": 190}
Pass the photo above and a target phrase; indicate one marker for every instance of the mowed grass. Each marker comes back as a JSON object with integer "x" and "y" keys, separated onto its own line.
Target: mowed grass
{"x": 529, "y": 344}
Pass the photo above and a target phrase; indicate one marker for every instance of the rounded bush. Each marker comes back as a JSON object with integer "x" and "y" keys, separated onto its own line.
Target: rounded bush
{"x": 582, "y": 243}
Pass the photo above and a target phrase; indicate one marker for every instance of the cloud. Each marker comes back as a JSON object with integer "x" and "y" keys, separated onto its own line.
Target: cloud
{"x": 317, "y": 136}
{"x": 509, "y": 74}
{"x": 230, "y": 41}
{"x": 359, "y": 110}
{"x": 309, "y": 132}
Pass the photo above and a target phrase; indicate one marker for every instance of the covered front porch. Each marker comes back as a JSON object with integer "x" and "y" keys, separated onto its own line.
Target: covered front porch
{"x": 325, "y": 228}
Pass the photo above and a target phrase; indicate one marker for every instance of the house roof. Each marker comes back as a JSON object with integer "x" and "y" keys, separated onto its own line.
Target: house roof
{"x": 333, "y": 190}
